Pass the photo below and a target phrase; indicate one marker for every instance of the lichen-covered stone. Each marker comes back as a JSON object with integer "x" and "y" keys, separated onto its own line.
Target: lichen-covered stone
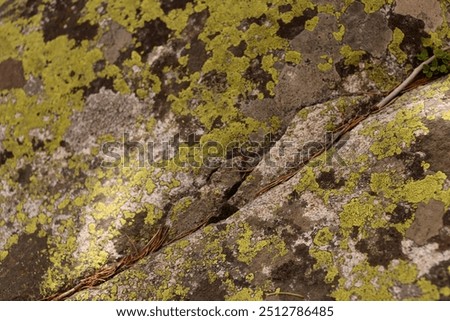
{"x": 118, "y": 119}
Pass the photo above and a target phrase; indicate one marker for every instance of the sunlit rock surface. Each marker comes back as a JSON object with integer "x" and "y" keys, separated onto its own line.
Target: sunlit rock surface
{"x": 227, "y": 124}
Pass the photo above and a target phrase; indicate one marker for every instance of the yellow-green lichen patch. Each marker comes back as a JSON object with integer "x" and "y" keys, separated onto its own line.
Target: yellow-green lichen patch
{"x": 12, "y": 240}
{"x": 307, "y": 181}
{"x": 167, "y": 280}
{"x": 375, "y": 283}
{"x": 171, "y": 286}
{"x": 326, "y": 8}
{"x": 327, "y": 65}
{"x": 213, "y": 253}
{"x": 134, "y": 73}
{"x": 3, "y": 255}
{"x": 57, "y": 63}
{"x": 233, "y": 135}
{"x": 311, "y": 24}
{"x": 123, "y": 12}
{"x": 251, "y": 293}
{"x": 445, "y": 291}
{"x": 248, "y": 248}
{"x": 425, "y": 189}
{"x": 339, "y": 35}
{"x": 179, "y": 207}
{"x": 221, "y": 31}
{"x": 382, "y": 79}
{"x": 246, "y": 294}
{"x": 391, "y": 186}
{"x": 357, "y": 213}
{"x": 60, "y": 251}
{"x": 325, "y": 260}
{"x": 385, "y": 184}
{"x": 293, "y": 56}
{"x": 374, "y": 5}
{"x": 303, "y": 113}
{"x": 351, "y": 57}
{"x": 106, "y": 198}
{"x": 446, "y": 115}
{"x": 319, "y": 165}
{"x": 323, "y": 237}
{"x": 437, "y": 38}
{"x": 397, "y": 134}
{"x": 297, "y": 9}
{"x": 168, "y": 292}
{"x": 394, "y": 46}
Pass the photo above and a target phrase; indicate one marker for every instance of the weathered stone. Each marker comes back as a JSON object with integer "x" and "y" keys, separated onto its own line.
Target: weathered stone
{"x": 245, "y": 130}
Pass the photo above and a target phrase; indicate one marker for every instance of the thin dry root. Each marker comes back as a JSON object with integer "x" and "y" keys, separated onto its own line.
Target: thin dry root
{"x": 107, "y": 272}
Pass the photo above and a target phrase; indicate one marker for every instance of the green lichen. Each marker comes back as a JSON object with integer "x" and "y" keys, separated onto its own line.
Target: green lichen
{"x": 351, "y": 57}
{"x": 293, "y": 57}
{"x": 394, "y": 46}
{"x": 168, "y": 292}
{"x": 327, "y": 65}
{"x": 180, "y": 206}
{"x": 248, "y": 248}
{"x": 423, "y": 190}
{"x": 106, "y": 199}
{"x": 371, "y": 6}
{"x": 153, "y": 214}
{"x": 246, "y": 294}
{"x": 311, "y": 24}
{"x": 61, "y": 251}
{"x": 326, "y": 8}
{"x": 430, "y": 292}
{"x": 385, "y": 184}
{"x": 397, "y": 134}
{"x": 323, "y": 237}
{"x": 213, "y": 252}
{"x": 12, "y": 240}
{"x": 307, "y": 181}
{"x": 445, "y": 291}
{"x": 303, "y": 113}
{"x": 223, "y": 24}
{"x": 382, "y": 79}
{"x": 358, "y": 212}
{"x": 339, "y": 35}
{"x": 375, "y": 284}
{"x": 100, "y": 197}
{"x": 325, "y": 261}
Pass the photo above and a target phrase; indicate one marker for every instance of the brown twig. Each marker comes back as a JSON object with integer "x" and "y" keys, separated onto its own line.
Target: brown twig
{"x": 286, "y": 293}
{"x": 107, "y": 272}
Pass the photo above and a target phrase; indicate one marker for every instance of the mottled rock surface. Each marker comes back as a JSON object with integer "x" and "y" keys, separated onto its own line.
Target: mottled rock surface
{"x": 247, "y": 130}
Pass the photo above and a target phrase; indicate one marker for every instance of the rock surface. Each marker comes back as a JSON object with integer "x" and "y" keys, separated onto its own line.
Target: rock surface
{"x": 245, "y": 131}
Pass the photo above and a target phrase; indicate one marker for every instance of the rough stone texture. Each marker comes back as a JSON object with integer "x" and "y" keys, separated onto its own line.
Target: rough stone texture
{"x": 11, "y": 74}
{"x": 118, "y": 119}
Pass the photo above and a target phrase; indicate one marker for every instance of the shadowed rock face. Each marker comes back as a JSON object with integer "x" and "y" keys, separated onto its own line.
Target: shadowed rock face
{"x": 218, "y": 127}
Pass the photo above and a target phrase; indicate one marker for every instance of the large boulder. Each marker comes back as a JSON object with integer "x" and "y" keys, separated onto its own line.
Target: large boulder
{"x": 186, "y": 150}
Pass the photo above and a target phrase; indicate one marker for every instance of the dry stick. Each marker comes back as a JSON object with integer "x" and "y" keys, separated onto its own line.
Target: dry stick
{"x": 286, "y": 293}
{"x": 405, "y": 83}
{"x": 156, "y": 242}
{"x": 159, "y": 239}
